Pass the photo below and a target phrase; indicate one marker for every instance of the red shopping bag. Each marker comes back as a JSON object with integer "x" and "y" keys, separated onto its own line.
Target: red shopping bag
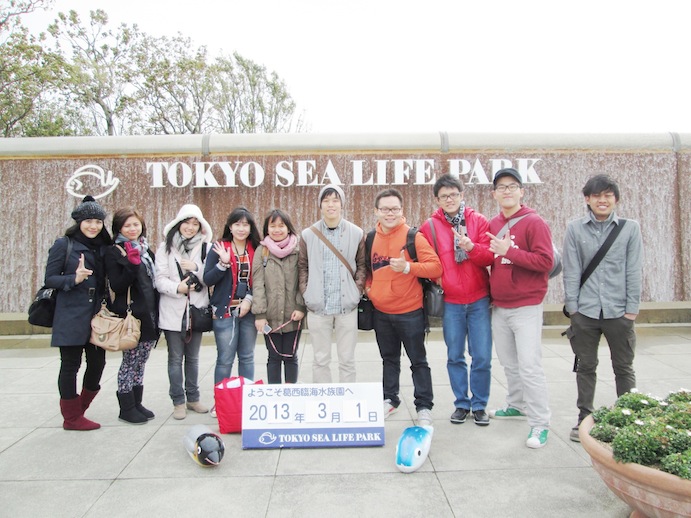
{"x": 228, "y": 395}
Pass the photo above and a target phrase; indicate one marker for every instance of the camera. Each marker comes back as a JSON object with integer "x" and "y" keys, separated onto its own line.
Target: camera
{"x": 193, "y": 279}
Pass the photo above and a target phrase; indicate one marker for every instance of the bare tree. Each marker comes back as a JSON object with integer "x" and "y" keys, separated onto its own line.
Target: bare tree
{"x": 248, "y": 100}
{"x": 11, "y": 10}
{"x": 28, "y": 75}
{"x": 175, "y": 84}
{"x": 100, "y": 68}
{"x": 94, "y": 80}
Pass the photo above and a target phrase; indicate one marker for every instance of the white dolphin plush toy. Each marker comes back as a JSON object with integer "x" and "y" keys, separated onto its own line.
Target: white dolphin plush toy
{"x": 413, "y": 447}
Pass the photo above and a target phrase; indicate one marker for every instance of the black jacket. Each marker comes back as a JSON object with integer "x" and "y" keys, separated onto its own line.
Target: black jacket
{"x": 122, "y": 275}
{"x": 76, "y": 304}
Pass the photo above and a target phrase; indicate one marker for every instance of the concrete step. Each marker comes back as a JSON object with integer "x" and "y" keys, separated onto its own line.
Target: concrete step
{"x": 651, "y": 313}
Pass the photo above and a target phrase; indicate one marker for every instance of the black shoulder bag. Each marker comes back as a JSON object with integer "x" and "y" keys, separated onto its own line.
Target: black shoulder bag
{"x": 599, "y": 256}
{"x": 194, "y": 318}
{"x": 42, "y": 309}
{"x": 433, "y": 294}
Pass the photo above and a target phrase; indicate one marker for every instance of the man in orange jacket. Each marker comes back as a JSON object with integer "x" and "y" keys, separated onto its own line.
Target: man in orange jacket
{"x": 396, "y": 294}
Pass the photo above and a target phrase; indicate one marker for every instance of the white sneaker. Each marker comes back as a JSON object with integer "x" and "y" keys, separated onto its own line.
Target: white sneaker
{"x": 537, "y": 437}
{"x": 212, "y": 412}
{"x": 424, "y": 417}
{"x": 389, "y": 409}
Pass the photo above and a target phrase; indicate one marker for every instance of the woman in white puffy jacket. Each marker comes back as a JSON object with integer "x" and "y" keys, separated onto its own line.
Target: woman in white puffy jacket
{"x": 180, "y": 267}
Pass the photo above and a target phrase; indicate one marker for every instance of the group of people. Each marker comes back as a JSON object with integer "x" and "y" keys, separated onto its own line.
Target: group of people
{"x": 250, "y": 283}
{"x": 494, "y": 275}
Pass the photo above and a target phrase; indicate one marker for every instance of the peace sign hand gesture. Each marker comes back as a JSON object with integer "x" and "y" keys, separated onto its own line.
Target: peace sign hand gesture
{"x": 499, "y": 246}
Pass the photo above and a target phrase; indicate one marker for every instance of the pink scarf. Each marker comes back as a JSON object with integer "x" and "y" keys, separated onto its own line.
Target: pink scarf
{"x": 283, "y": 248}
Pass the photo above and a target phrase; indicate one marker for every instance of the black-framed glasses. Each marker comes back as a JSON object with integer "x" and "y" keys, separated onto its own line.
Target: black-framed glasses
{"x": 389, "y": 210}
{"x": 512, "y": 187}
{"x": 451, "y": 196}
{"x": 295, "y": 342}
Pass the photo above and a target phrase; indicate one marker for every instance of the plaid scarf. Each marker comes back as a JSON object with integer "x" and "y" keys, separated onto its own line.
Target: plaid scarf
{"x": 458, "y": 223}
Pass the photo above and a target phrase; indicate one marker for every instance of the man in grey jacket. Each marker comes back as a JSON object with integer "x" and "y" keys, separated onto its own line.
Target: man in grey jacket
{"x": 608, "y": 302}
{"x": 331, "y": 287}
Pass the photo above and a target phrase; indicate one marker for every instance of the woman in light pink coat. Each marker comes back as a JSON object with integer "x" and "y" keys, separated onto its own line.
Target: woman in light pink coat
{"x": 180, "y": 266}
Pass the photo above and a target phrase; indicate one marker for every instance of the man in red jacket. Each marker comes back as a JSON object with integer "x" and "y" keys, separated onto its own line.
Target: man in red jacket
{"x": 522, "y": 245}
{"x": 459, "y": 236}
{"x": 396, "y": 294}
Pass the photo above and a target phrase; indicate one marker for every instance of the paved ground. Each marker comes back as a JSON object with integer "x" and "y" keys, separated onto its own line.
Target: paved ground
{"x": 125, "y": 470}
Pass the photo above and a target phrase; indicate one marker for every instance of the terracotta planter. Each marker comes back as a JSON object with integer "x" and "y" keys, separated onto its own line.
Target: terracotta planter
{"x": 648, "y": 491}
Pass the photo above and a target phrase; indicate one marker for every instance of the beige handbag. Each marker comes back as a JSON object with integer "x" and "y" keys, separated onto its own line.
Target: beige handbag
{"x": 114, "y": 333}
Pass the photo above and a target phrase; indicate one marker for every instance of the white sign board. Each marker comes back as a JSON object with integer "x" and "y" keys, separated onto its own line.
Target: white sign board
{"x": 320, "y": 415}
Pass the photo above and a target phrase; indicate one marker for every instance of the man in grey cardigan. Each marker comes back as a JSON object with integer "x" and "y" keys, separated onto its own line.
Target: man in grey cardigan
{"x": 331, "y": 287}
{"x": 608, "y": 302}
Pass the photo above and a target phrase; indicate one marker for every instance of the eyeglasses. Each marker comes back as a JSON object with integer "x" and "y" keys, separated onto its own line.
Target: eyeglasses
{"x": 512, "y": 187}
{"x": 452, "y": 196}
{"x": 389, "y": 210}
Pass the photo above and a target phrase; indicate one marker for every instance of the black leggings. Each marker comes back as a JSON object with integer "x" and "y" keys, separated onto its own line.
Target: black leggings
{"x": 284, "y": 344}
{"x": 71, "y": 360}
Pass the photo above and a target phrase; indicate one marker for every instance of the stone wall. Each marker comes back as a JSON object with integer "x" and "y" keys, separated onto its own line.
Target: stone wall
{"x": 42, "y": 180}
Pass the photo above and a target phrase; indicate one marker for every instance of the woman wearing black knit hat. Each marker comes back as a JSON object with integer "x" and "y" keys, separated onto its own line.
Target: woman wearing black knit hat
{"x": 76, "y": 269}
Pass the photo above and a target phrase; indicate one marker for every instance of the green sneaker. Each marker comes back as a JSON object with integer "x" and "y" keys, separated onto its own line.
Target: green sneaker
{"x": 537, "y": 437}
{"x": 506, "y": 413}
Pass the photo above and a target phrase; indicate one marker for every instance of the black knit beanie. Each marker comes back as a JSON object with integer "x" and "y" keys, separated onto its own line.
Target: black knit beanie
{"x": 89, "y": 208}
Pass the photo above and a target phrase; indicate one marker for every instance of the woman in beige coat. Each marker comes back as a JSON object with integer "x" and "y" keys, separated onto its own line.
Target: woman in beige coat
{"x": 278, "y": 305}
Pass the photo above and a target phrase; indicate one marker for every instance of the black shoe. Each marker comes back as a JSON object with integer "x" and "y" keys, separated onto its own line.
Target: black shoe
{"x": 459, "y": 415}
{"x": 481, "y": 418}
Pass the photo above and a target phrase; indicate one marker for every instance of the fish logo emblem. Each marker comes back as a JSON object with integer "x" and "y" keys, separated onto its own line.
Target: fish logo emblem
{"x": 85, "y": 175}
{"x": 267, "y": 438}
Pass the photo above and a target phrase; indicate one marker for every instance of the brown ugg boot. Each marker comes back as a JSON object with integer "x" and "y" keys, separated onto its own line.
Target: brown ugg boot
{"x": 74, "y": 416}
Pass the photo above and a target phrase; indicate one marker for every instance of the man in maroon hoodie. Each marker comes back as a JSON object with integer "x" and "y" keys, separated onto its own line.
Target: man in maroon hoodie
{"x": 522, "y": 245}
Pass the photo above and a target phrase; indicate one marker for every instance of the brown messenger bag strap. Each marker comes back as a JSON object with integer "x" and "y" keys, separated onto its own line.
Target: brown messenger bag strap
{"x": 338, "y": 254}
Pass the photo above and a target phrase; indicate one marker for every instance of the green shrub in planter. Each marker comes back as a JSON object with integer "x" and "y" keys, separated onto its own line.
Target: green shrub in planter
{"x": 645, "y": 430}
{"x": 678, "y": 464}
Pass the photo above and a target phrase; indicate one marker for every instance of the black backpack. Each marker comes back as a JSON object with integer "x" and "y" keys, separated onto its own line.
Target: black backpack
{"x": 409, "y": 246}
{"x": 412, "y": 252}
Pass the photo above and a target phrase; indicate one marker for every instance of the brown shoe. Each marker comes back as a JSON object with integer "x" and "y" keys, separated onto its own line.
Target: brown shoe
{"x": 179, "y": 412}
{"x": 196, "y": 406}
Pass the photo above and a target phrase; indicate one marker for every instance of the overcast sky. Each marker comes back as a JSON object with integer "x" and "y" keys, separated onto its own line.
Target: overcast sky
{"x": 456, "y": 66}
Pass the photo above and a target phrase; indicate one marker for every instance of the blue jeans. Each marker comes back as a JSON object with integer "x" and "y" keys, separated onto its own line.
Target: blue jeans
{"x": 474, "y": 322}
{"x": 233, "y": 336}
{"x": 179, "y": 352}
{"x": 409, "y": 329}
